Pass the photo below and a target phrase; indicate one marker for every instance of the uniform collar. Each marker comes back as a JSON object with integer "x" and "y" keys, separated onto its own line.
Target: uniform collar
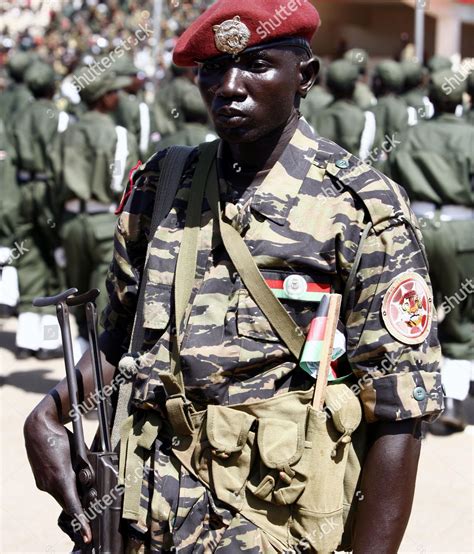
{"x": 276, "y": 195}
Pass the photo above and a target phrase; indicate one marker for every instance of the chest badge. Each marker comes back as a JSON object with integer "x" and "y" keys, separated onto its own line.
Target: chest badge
{"x": 295, "y": 286}
{"x": 407, "y": 309}
{"x": 231, "y": 36}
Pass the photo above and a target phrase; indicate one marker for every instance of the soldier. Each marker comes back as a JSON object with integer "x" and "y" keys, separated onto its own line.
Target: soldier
{"x": 301, "y": 204}
{"x": 414, "y": 92}
{"x": 391, "y": 112}
{"x": 132, "y": 111}
{"x": 343, "y": 121}
{"x": 35, "y": 133}
{"x": 196, "y": 129}
{"x": 436, "y": 164}
{"x": 318, "y": 98}
{"x": 438, "y": 63}
{"x": 9, "y": 293}
{"x": 17, "y": 95}
{"x": 363, "y": 96}
{"x": 96, "y": 158}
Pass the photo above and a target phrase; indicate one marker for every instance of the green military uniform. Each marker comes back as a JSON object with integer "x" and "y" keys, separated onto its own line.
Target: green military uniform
{"x": 363, "y": 96}
{"x": 96, "y": 158}
{"x": 415, "y": 94}
{"x": 436, "y": 165}
{"x": 17, "y": 96}
{"x": 196, "y": 129}
{"x": 391, "y": 112}
{"x": 343, "y": 121}
{"x": 317, "y": 99}
{"x": 9, "y": 190}
{"x": 438, "y": 63}
{"x": 35, "y": 134}
{"x": 169, "y": 101}
{"x": 302, "y": 220}
{"x": 133, "y": 112}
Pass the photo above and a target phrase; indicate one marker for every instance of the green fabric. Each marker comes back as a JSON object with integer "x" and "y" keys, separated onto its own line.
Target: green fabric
{"x": 446, "y": 85}
{"x": 317, "y": 99}
{"x": 191, "y": 134}
{"x": 363, "y": 96}
{"x": 93, "y": 86}
{"x": 39, "y": 75}
{"x": 342, "y": 122}
{"x": 414, "y": 98}
{"x": 88, "y": 243}
{"x": 18, "y": 63}
{"x": 450, "y": 250}
{"x": 412, "y": 73}
{"x": 87, "y": 162}
{"x": 341, "y": 75}
{"x": 436, "y": 161}
{"x": 13, "y": 101}
{"x": 438, "y": 63}
{"x": 9, "y": 190}
{"x": 358, "y": 56}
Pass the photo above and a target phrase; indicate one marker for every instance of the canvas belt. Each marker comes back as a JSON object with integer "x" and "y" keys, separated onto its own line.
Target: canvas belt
{"x": 91, "y": 207}
{"x": 450, "y": 212}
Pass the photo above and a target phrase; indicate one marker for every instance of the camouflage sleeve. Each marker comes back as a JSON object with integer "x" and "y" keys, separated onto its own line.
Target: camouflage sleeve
{"x": 130, "y": 248}
{"x": 391, "y": 330}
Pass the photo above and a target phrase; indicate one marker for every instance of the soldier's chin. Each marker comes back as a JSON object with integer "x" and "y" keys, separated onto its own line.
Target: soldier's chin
{"x": 239, "y": 134}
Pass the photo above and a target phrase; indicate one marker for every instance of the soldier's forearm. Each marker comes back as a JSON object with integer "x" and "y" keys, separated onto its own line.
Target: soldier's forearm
{"x": 57, "y": 404}
{"x": 387, "y": 487}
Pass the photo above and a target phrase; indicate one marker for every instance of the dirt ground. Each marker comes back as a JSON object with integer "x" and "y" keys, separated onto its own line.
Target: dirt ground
{"x": 441, "y": 520}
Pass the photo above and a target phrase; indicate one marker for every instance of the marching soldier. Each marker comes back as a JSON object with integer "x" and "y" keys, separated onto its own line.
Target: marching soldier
{"x": 391, "y": 112}
{"x": 318, "y": 98}
{"x": 414, "y": 92}
{"x": 35, "y": 135}
{"x": 343, "y": 121}
{"x": 436, "y": 165}
{"x": 96, "y": 158}
{"x": 363, "y": 96}
{"x": 220, "y": 451}
{"x": 17, "y": 96}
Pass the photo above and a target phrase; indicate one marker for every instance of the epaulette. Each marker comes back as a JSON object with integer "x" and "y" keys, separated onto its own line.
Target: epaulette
{"x": 381, "y": 197}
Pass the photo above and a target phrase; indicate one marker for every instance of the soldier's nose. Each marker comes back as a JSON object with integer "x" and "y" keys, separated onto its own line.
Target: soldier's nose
{"x": 231, "y": 84}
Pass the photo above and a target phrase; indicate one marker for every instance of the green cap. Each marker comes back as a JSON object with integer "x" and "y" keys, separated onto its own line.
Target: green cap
{"x": 390, "y": 74}
{"x": 438, "y": 63}
{"x": 124, "y": 66}
{"x": 447, "y": 85}
{"x": 358, "y": 56}
{"x": 39, "y": 75}
{"x": 412, "y": 72}
{"x": 92, "y": 84}
{"x": 342, "y": 75}
{"x": 18, "y": 63}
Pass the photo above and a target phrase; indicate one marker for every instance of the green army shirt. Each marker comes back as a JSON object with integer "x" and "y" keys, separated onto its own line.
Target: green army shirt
{"x": 436, "y": 161}
{"x": 305, "y": 218}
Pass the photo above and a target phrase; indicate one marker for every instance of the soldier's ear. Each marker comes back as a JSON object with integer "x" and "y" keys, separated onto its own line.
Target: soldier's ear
{"x": 309, "y": 70}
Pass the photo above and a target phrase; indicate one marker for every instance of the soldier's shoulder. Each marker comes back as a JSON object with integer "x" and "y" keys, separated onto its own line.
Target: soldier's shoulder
{"x": 383, "y": 199}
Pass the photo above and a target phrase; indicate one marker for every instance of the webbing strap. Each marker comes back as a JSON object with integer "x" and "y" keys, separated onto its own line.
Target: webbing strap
{"x": 291, "y": 334}
{"x": 170, "y": 177}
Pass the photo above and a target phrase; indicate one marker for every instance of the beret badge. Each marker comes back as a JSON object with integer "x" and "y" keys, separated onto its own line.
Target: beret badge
{"x": 231, "y": 36}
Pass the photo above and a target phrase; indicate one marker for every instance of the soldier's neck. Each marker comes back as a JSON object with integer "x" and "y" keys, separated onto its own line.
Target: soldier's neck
{"x": 263, "y": 154}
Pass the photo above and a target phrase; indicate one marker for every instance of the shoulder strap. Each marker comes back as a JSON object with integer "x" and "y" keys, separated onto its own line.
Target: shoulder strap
{"x": 168, "y": 184}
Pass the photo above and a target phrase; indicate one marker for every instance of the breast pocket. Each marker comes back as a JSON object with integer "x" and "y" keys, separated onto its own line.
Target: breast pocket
{"x": 157, "y": 308}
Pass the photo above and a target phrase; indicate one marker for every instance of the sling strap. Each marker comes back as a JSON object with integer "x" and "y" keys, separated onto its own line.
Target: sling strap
{"x": 170, "y": 176}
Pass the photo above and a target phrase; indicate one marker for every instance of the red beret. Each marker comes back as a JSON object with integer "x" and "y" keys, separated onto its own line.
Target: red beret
{"x": 229, "y": 27}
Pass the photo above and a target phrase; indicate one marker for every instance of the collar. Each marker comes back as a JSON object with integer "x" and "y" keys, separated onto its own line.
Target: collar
{"x": 277, "y": 193}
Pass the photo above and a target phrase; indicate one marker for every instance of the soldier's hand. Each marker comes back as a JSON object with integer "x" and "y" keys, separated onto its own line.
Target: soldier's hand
{"x": 49, "y": 454}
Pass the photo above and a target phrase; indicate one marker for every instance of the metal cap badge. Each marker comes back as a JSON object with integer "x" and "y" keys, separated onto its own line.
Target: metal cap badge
{"x": 231, "y": 36}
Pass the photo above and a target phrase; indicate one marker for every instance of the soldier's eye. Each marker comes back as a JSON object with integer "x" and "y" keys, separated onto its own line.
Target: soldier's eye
{"x": 211, "y": 67}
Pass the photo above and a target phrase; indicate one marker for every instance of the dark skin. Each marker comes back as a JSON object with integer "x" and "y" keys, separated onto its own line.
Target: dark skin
{"x": 253, "y": 102}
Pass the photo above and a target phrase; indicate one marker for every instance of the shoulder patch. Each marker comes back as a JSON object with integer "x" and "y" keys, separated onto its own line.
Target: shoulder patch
{"x": 407, "y": 308}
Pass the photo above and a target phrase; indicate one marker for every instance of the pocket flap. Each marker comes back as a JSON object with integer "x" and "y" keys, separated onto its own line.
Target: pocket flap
{"x": 227, "y": 429}
{"x": 280, "y": 442}
{"x": 344, "y": 406}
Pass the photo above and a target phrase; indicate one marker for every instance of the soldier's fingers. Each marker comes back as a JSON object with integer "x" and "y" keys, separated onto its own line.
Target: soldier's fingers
{"x": 72, "y": 506}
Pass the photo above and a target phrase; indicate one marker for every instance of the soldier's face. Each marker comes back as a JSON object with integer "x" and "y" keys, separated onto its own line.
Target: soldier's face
{"x": 251, "y": 95}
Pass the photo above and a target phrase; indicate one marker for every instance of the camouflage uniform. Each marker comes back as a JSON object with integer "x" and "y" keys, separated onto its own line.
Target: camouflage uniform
{"x": 306, "y": 217}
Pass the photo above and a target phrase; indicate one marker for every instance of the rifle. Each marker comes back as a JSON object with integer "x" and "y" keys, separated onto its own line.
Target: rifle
{"x": 96, "y": 470}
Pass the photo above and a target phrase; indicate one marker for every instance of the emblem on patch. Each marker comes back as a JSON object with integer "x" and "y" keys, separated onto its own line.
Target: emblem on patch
{"x": 407, "y": 308}
{"x": 232, "y": 36}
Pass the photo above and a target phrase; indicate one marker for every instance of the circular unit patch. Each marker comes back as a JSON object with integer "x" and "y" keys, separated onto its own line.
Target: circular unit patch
{"x": 407, "y": 308}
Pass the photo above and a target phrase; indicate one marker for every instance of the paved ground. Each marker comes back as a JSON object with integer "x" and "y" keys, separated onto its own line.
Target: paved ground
{"x": 441, "y": 519}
